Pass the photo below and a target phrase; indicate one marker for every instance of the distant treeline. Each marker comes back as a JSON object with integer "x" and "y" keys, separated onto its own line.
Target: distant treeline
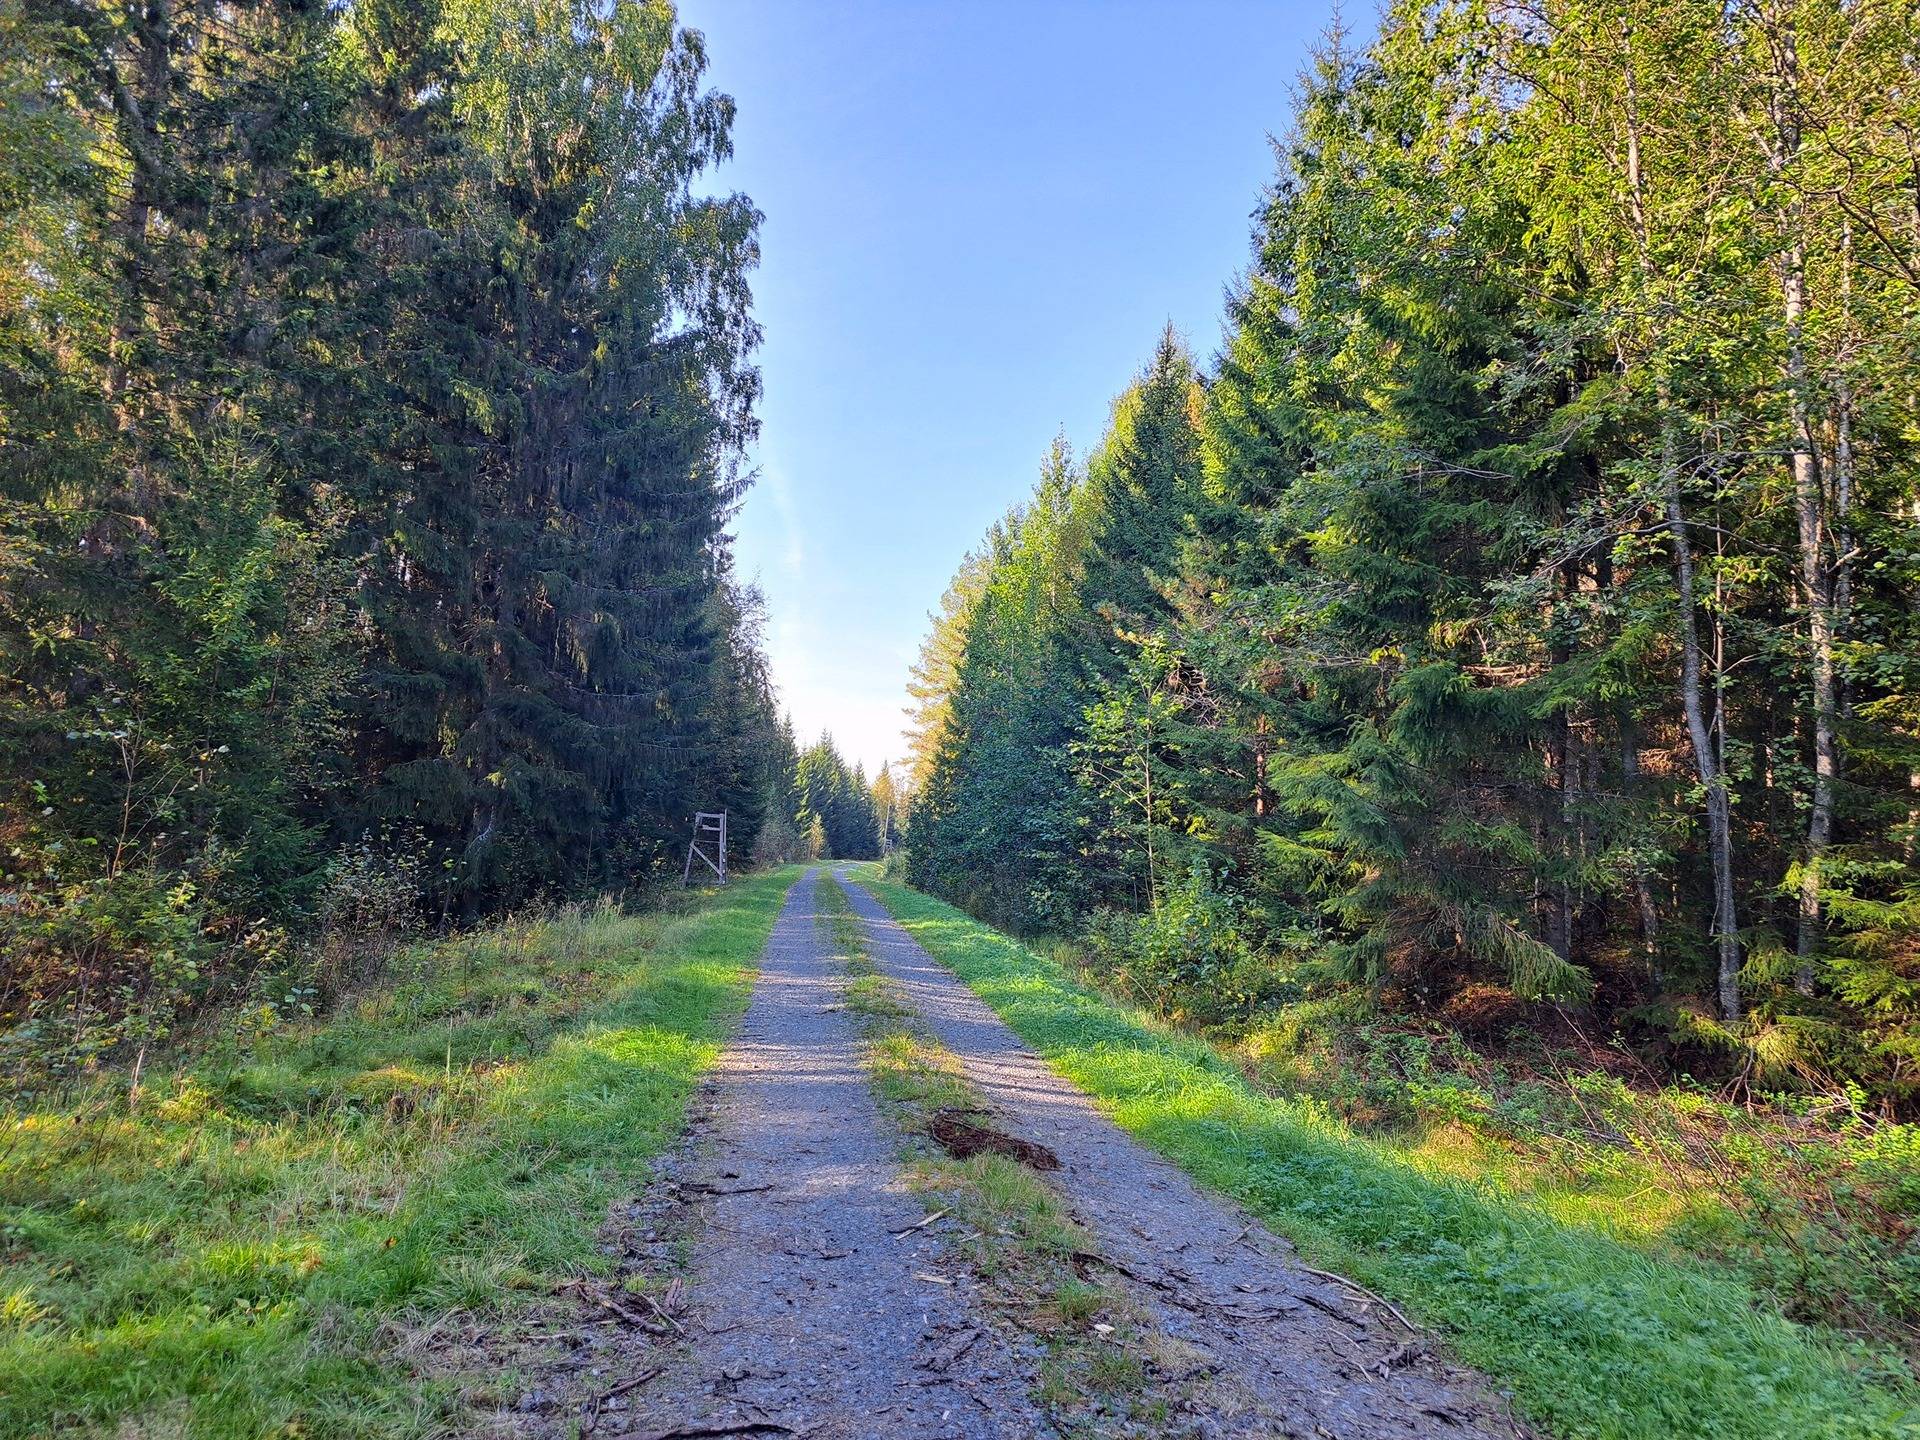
{"x": 1523, "y": 610}
{"x": 822, "y": 808}
{"x": 372, "y": 385}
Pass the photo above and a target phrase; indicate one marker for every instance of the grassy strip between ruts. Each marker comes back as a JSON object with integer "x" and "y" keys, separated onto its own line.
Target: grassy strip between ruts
{"x": 1015, "y": 1231}
{"x": 1595, "y": 1338}
{"x": 246, "y": 1248}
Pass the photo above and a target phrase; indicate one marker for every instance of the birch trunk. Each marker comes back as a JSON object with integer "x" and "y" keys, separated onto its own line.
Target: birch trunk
{"x": 1809, "y": 497}
{"x": 1706, "y": 760}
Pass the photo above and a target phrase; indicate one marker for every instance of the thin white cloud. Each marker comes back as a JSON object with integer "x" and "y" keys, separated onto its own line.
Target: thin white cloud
{"x": 793, "y": 546}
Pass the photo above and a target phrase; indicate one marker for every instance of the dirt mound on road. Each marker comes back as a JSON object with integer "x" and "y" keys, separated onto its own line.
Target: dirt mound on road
{"x": 960, "y": 1138}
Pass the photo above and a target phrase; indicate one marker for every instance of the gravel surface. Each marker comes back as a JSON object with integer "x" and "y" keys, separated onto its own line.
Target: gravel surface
{"x": 804, "y": 1307}
{"x": 1293, "y": 1354}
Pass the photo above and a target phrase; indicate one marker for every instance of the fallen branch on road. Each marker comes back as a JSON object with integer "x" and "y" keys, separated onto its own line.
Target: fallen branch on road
{"x": 631, "y": 1316}
{"x": 1390, "y": 1307}
{"x": 625, "y": 1385}
{"x": 924, "y": 1220}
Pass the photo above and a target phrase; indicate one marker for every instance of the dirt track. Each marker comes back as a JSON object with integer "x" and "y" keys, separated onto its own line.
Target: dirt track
{"x": 806, "y": 1312}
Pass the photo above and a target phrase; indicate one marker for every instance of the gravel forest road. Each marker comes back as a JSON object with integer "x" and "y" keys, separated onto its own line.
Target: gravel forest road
{"x": 810, "y": 1306}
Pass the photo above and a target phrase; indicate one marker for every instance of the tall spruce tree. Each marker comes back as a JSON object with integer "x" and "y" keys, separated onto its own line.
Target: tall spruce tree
{"x": 1000, "y": 818}
{"x": 549, "y": 592}
{"x": 372, "y": 382}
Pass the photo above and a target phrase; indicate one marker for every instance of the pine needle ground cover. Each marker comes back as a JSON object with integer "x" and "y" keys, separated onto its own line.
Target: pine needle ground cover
{"x": 247, "y": 1247}
{"x": 1598, "y": 1340}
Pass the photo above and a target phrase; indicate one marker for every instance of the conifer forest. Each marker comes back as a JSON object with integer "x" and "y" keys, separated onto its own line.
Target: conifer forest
{"x": 374, "y": 389}
{"x": 1520, "y": 610}
{"x": 1439, "y": 776}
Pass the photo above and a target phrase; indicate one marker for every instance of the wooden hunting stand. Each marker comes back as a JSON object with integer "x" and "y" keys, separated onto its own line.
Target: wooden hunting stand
{"x": 711, "y": 829}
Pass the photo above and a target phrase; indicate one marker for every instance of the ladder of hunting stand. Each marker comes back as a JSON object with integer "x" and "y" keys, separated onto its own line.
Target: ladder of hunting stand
{"x": 709, "y": 832}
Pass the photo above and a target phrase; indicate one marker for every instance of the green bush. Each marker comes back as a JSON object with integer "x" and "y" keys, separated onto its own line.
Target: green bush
{"x": 98, "y": 964}
{"x": 1188, "y": 958}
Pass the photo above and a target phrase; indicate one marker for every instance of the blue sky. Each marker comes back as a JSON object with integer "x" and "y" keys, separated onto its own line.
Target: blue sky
{"x": 978, "y": 218}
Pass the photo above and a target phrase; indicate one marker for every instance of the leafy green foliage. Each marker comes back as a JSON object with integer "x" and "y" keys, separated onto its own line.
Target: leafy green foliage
{"x": 1188, "y": 958}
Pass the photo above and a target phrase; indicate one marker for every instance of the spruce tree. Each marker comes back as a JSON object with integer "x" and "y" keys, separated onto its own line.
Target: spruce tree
{"x": 1533, "y": 614}
{"x": 372, "y": 383}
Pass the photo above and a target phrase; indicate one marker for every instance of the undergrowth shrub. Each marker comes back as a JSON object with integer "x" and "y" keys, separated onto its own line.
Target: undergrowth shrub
{"x": 107, "y": 966}
{"x": 1188, "y": 959}
{"x": 1814, "y": 1200}
{"x": 370, "y": 903}
{"x": 97, "y": 964}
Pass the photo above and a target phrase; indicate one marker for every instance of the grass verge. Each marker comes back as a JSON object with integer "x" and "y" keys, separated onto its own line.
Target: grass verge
{"x": 1102, "y": 1354}
{"x": 245, "y": 1248}
{"x": 1595, "y": 1338}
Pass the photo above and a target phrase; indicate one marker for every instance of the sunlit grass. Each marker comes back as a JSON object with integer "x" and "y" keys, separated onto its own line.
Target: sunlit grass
{"x": 1452, "y": 1133}
{"x": 1635, "y": 1205}
{"x": 241, "y": 1250}
{"x": 1596, "y": 1337}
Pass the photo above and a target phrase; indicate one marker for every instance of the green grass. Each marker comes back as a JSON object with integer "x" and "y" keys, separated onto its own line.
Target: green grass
{"x": 245, "y": 1249}
{"x": 1808, "y": 1196}
{"x": 1596, "y": 1338}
